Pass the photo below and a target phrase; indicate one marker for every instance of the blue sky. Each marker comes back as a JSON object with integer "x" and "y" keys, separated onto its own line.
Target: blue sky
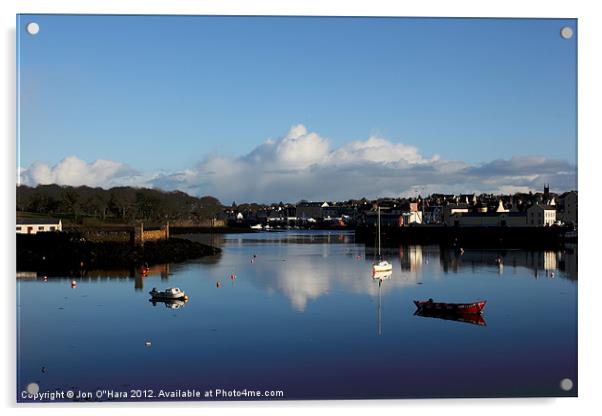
{"x": 165, "y": 98}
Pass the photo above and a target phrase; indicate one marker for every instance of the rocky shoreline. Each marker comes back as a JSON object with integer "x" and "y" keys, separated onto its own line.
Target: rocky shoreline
{"x": 71, "y": 253}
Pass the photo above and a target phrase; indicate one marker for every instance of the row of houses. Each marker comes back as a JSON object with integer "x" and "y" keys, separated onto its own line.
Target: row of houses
{"x": 540, "y": 209}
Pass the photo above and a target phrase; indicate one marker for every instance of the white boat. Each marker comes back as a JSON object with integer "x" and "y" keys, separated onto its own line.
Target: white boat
{"x": 170, "y": 293}
{"x": 383, "y": 275}
{"x": 256, "y": 227}
{"x": 381, "y": 265}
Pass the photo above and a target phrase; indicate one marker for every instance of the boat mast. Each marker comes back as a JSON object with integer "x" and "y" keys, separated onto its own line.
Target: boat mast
{"x": 379, "y": 233}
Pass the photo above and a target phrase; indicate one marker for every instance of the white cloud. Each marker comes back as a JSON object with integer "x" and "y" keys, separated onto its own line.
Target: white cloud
{"x": 75, "y": 172}
{"x": 303, "y": 165}
{"x": 377, "y": 150}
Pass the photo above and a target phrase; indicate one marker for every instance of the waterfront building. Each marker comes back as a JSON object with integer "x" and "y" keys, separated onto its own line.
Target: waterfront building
{"x": 452, "y": 209}
{"x": 541, "y": 215}
{"x": 488, "y": 219}
{"x": 568, "y": 207}
{"x": 38, "y": 225}
{"x": 387, "y": 219}
{"x": 410, "y": 214}
{"x": 433, "y": 214}
{"x": 307, "y": 210}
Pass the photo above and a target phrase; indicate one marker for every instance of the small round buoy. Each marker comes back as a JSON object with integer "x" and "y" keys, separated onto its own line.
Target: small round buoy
{"x": 148, "y": 344}
{"x": 73, "y": 284}
{"x": 233, "y": 276}
{"x": 552, "y": 275}
{"x": 81, "y": 264}
{"x": 217, "y": 284}
{"x": 45, "y": 278}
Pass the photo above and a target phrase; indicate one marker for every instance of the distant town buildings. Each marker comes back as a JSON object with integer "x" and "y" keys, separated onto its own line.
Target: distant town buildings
{"x": 540, "y": 209}
{"x": 543, "y": 209}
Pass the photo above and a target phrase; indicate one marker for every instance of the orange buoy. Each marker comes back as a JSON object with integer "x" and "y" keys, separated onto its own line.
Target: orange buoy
{"x": 73, "y": 284}
{"x": 233, "y": 276}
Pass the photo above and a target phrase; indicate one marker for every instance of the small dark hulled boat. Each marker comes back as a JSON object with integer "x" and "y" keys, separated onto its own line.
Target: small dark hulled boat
{"x": 450, "y": 308}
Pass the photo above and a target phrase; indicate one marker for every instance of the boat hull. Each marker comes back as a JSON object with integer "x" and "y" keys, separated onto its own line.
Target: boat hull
{"x": 451, "y": 308}
{"x": 169, "y": 294}
{"x": 166, "y": 298}
{"x": 381, "y": 268}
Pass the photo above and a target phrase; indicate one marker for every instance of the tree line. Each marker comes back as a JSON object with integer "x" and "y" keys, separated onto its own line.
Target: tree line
{"x": 122, "y": 204}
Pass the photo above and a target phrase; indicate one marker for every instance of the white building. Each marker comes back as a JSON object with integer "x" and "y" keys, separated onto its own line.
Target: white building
{"x": 38, "y": 225}
{"x": 451, "y": 209}
{"x": 541, "y": 215}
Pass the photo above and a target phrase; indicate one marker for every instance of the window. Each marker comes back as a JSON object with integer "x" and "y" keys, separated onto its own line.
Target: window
{"x": 41, "y": 228}
{"x": 52, "y": 228}
{"x": 18, "y": 228}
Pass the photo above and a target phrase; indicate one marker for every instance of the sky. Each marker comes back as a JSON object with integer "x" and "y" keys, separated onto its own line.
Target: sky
{"x": 274, "y": 109}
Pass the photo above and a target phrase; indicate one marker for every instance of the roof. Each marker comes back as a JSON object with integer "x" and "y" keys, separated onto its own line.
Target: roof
{"x": 35, "y": 221}
{"x": 311, "y": 204}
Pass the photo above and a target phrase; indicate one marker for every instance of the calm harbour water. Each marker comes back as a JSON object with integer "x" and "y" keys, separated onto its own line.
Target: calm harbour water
{"x": 307, "y": 318}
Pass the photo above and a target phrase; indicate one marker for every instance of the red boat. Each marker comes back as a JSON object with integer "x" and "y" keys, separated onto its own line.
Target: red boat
{"x": 456, "y": 308}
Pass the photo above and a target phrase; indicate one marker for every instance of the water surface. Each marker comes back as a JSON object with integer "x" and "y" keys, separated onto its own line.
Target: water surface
{"x": 300, "y": 312}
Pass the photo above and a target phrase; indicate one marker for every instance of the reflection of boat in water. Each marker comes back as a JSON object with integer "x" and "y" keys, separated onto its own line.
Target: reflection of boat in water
{"x": 381, "y": 265}
{"x": 469, "y": 318}
{"x": 380, "y": 276}
{"x": 450, "y": 308}
{"x": 170, "y": 303}
{"x": 171, "y": 293}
